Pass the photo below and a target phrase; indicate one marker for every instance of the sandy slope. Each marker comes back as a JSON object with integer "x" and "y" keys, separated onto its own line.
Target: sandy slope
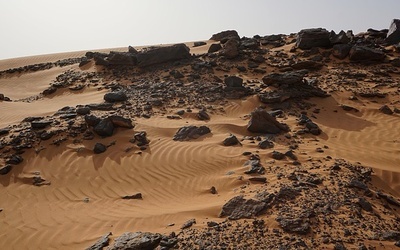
{"x": 173, "y": 177}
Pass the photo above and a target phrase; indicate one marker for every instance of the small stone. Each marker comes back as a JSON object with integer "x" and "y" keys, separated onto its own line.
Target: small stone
{"x": 99, "y": 148}
{"x": 213, "y": 190}
{"x": 188, "y": 223}
{"x": 133, "y": 197}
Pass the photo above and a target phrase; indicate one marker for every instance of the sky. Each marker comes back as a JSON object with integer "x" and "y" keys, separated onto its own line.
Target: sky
{"x": 34, "y": 27}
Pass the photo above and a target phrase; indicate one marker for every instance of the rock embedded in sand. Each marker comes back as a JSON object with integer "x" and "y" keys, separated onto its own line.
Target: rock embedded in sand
{"x": 231, "y": 141}
{"x": 104, "y": 128}
{"x": 115, "y": 96}
{"x": 393, "y": 35}
{"x": 5, "y": 169}
{"x": 188, "y": 223}
{"x": 15, "y": 160}
{"x": 119, "y": 121}
{"x": 386, "y": 110}
{"x": 136, "y": 241}
{"x": 240, "y": 208}
{"x": 137, "y": 196}
{"x": 99, "y": 148}
{"x": 262, "y": 122}
{"x": 310, "y": 38}
{"x": 190, "y": 132}
{"x": 203, "y": 115}
{"x": 101, "y": 243}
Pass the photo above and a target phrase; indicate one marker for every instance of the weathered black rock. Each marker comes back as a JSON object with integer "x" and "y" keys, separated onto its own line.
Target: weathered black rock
{"x": 231, "y": 141}
{"x": 307, "y": 64}
{"x": 99, "y": 148}
{"x": 4, "y": 131}
{"x": 341, "y": 38}
{"x": 278, "y": 155}
{"x": 136, "y": 241}
{"x": 214, "y": 47}
{"x": 386, "y": 110}
{"x": 197, "y": 44}
{"x": 190, "y": 132}
{"x": 310, "y": 38}
{"x": 364, "y": 204}
{"x": 239, "y": 208}
{"x": 233, "y": 82}
{"x": 203, "y": 115}
{"x": 92, "y": 120}
{"x": 230, "y": 49}
{"x": 264, "y": 144}
{"x": 311, "y": 127}
{"x": 119, "y": 121}
{"x": 225, "y": 35}
{"x": 5, "y": 170}
{"x": 101, "y": 243}
{"x": 391, "y": 235}
{"x": 354, "y": 183}
{"x": 294, "y": 225}
{"x": 117, "y": 96}
{"x": 393, "y": 36}
{"x": 40, "y": 124}
{"x": 137, "y": 196}
{"x": 234, "y": 87}
{"x": 366, "y": 54}
{"x": 261, "y": 179}
{"x": 121, "y": 58}
{"x": 188, "y": 223}
{"x": 15, "y": 160}
{"x": 162, "y": 55}
{"x": 389, "y": 199}
{"x": 262, "y": 122}
{"x": 255, "y": 166}
{"x": 341, "y": 51}
{"x": 104, "y": 128}
{"x": 83, "y": 110}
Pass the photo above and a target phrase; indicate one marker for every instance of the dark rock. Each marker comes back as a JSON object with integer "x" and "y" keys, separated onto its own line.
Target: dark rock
{"x": 348, "y": 108}
{"x": 231, "y": 141}
{"x": 40, "y": 124}
{"x": 121, "y": 58}
{"x": 341, "y": 51}
{"x": 354, "y": 183}
{"x": 163, "y": 54}
{"x": 92, "y": 120}
{"x": 132, "y": 50}
{"x": 239, "y": 208}
{"x": 15, "y": 160}
{"x": 255, "y": 167}
{"x": 101, "y": 106}
{"x": 49, "y": 91}
{"x": 99, "y": 148}
{"x": 278, "y": 155}
{"x": 188, "y": 223}
{"x": 310, "y": 38}
{"x": 397, "y": 244}
{"x": 119, "y": 121}
{"x": 5, "y": 170}
{"x": 289, "y": 78}
{"x": 83, "y": 110}
{"x": 389, "y": 199}
{"x": 46, "y": 135}
{"x": 203, "y": 116}
{"x": 386, "y": 110}
{"x": 291, "y": 155}
{"x": 372, "y": 94}
{"x": 176, "y": 74}
{"x": 230, "y": 49}
{"x": 364, "y": 204}
{"x": 4, "y": 131}
{"x": 225, "y": 35}
{"x": 262, "y": 122}
{"x": 258, "y": 179}
{"x": 264, "y": 144}
{"x": 141, "y": 138}
{"x": 213, "y": 190}
{"x": 214, "y": 47}
{"x": 233, "y": 82}
{"x": 104, "y": 128}
{"x": 341, "y": 38}
{"x": 197, "y": 44}
{"x": 307, "y": 64}
{"x": 362, "y": 53}
{"x": 311, "y": 127}
{"x": 393, "y": 35}
{"x": 287, "y": 193}
{"x": 339, "y": 246}
{"x": 190, "y": 132}
{"x": 136, "y": 241}
{"x": 39, "y": 181}
{"x": 391, "y": 235}
{"x": 294, "y": 225}
{"x": 85, "y": 61}
{"x": 212, "y": 224}
{"x": 101, "y": 243}
{"x": 117, "y": 96}
{"x": 137, "y": 196}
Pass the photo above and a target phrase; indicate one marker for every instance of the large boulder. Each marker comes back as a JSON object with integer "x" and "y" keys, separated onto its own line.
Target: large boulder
{"x": 341, "y": 51}
{"x": 393, "y": 36}
{"x": 363, "y": 54}
{"x": 225, "y": 35}
{"x": 162, "y": 54}
{"x": 310, "y": 38}
{"x": 230, "y": 49}
{"x": 136, "y": 241}
{"x": 115, "y": 96}
{"x": 121, "y": 58}
{"x": 262, "y": 122}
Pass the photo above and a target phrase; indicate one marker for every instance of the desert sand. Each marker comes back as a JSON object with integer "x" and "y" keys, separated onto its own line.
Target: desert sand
{"x": 65, "y": 196}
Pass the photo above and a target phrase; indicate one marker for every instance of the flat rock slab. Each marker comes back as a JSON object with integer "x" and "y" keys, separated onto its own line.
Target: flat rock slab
{"x": 136, "y": 241}
{"x": 191, "y": 132}
{"x": 239, "y": 208}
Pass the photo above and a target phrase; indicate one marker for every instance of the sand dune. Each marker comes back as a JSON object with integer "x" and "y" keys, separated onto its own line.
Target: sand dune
{"x": 83, "y": 200}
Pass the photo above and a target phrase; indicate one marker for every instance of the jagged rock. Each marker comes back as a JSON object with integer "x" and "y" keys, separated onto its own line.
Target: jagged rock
{"x": 341, "y": 38}
{"x": 99, "y": 148}
{"x": 231, "y": 141}
{"x": 104, "y": 128}
{"x": 287, "y": 78}
{"x": 137, "y": 196}
{"x": 264, "y": 144}
{"x": 294, "y": 225}
{"x": 239, "y": 208}
{"x": 15, "y": 160}
{"x": 4, "y": 131}
{"x": 203, "y": 115}
{"x": 287, "y": 193}
{"x": 214, "y": 48}
{"x": 92, "y": 120}
{"x": 140, "y": 138}
{"x": 50, "y": 90}
{"x": 190, "y": 132}
{"x": 391, "y": 235}
{"x": 339, "y": 246}
{"x": 389, "y": 199}
{"x": 278, "y": 155}
{"x": 349, "y": 108}
{"x": 393, "y": 35}
{"x": 230, "y": 49}
{"x": 310, "y": 38}
{"x": 255, "y": 166}
{"x": 121, "y": 58}
{"x": 40, "y": 124}
{"x": 136, "y": 241}
{"x": 341, "y": 51}
{"x": 364, "y": 204}
{"x": 116, "y": 96}
{"x": 311, "y": 127}
{"x": 46, "y": 135}
{"x": 5, "y": 170}
{"x": 132, "y": 50}
{"x": 213, "y": 190}
{"x": 198, "y": 44}
{"x": 262, "y": 122}
{"x": 162, "y": 55}
{"x": 386, "y": 110}
{"x": 225, "y": 35}
{"x": 119, "y": 121}
{"x": 354, "y": 183}
{"x": 101, "y": 243}
{"x": 362, "y": 53}
{"x": 188, "y": 223}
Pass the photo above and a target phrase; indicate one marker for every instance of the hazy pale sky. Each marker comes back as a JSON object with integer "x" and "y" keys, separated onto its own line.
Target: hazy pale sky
{"x": 32, "y": 27}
